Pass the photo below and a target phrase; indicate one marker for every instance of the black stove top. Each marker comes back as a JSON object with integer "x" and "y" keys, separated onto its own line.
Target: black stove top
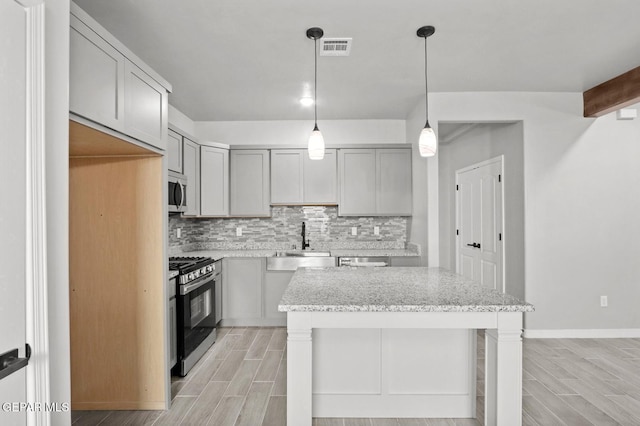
{"x": 188, "y": 264}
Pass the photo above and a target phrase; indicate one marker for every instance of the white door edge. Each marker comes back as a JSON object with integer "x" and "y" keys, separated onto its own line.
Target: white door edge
{"x": 37, "y": 319}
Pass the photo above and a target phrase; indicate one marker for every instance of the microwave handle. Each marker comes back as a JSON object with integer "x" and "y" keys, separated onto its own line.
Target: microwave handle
{"x": 182, "y": 191}
{"x": 177, "y": 187}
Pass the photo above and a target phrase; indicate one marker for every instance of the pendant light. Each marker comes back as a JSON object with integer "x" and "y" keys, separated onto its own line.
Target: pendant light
{"x": 316, "y": 141}
{"x": 427, "y": 144}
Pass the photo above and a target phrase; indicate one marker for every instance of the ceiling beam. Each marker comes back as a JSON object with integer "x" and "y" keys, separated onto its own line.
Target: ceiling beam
{"x": 619, "y": 92}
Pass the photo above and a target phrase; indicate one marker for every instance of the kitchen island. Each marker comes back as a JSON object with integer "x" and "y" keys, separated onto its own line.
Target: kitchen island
{"x": 399, "y": 342}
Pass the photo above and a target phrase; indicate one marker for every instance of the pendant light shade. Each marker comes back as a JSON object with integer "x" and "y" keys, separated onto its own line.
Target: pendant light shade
{"x": 316, "y": 145}
{"x": 316, "y": 141}
{"x": 427, "y": 144}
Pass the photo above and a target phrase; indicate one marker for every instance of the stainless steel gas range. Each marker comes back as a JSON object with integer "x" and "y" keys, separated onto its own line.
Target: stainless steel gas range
{"x": 196, "y": 305}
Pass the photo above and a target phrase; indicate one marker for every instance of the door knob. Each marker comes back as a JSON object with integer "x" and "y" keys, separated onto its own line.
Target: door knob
{"x": 474, "y": 245}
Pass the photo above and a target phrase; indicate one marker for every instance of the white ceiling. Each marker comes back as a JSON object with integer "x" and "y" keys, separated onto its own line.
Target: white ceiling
{"x": 251, "y": 60}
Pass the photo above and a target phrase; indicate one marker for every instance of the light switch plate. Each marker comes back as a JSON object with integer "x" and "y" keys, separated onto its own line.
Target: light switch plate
{"x": 238, "y": 232}
{"x": 179, "y": 233}
{"x": 354, "y": 230}
{"x": 376, "y": 230}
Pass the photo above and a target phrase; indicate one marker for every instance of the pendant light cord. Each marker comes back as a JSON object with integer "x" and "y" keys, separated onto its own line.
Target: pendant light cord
{"x": 315, "y": 82}
{"x": 426, "y": 87}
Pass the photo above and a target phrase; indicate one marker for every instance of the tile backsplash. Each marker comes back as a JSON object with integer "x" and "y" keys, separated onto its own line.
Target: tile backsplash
{"x": 282, "y": 231}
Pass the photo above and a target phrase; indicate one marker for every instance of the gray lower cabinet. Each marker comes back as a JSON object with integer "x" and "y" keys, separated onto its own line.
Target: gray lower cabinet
{"x": 214, "y": 181}
{"x": 375, "y": 182}
{"x": 173, "y": 333}
{"x": 251, "y": 294}
{"x": 249, "y": 183}
{"x": 275, "y": 283}
{"x": 174, "y": 152}
{"x": 242, "y": 289}
{"x": 191, "y": 169}
{"x": 296, "y": 179}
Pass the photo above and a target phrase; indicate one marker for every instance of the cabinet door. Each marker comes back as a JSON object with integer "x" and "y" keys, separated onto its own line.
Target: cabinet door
{"x": 191, "y": 169}
{"x": 357, "y": 173}
{"x": 145, "y": 107}
{"x": 320, "y": 179}
{"x": 275, "y": 284}
{"x": 96, "y": 89}
{"x": 242, "y": 288}
{"x": 174, "y": 151}
{"x": 214, "y": 181}
{"x": 286, "y": 176}
{"x": 250, "y": 183}
{"x": 393, "y": 182}
{"x": 173, "y": 333}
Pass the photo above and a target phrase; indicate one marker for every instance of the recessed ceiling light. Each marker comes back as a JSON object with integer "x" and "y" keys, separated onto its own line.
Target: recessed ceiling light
{"x": 306, "y": 101}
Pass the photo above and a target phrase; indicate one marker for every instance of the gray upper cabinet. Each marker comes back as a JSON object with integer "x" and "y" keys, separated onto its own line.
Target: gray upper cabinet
{"x": 110, "y": 86}
{"x": 249, "y": 182}
{"x": 214, "y": 181}
{"x": 146, "y": 107}
{"x": 191, "y": 169}
{"x": 393, "y": 182}
{"x": 286, "y": 176}
{"x": 97, "y": 77}
{"x": 375, "y": 182}
{"x": 357, "y": 173}
{"x": 296, "y": 179}
{"x": 320, "y": 183}
{"x": 174, "y": 151}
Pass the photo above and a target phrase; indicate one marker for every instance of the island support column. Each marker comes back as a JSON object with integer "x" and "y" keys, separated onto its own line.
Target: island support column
{"x": 503, "y": 370}
{"x": 299, "y": 369}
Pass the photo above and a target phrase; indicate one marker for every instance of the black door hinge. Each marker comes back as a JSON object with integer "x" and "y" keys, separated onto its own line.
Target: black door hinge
{"x": 500, "y": 236}
{"x": 499, "y": 178}
{"x": 457, "y": 232}
{"x": 457, "y": 187}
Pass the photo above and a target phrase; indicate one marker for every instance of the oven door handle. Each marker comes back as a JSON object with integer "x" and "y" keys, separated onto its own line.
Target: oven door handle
{"x": 188, "y": 288}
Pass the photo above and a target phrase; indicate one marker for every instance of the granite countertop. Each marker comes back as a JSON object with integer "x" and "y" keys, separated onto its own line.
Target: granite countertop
{"x": 220, "y": 254}
{"x": 394, "y": 289}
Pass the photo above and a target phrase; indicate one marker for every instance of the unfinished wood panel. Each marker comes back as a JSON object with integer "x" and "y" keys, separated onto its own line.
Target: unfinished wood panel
{"x": 116, "y": 283}
{"x": 85, "y": 141}
{"x": 619, "y": 92}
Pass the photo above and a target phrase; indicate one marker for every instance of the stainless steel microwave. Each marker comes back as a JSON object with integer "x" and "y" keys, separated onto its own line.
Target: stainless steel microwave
{"x": 177, "y": 192}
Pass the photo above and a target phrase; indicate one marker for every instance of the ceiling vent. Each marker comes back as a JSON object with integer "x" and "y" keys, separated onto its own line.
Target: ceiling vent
{"x": 335, "y": 46}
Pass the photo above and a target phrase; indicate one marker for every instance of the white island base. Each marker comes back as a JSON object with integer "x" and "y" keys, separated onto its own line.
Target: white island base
{"x": 402, "y": 364}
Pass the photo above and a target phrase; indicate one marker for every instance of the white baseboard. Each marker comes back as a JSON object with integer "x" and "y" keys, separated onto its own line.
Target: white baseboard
{"x": 597, "y": 333}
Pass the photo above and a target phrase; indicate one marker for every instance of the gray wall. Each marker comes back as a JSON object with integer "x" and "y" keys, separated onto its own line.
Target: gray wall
{"x": 483, "y": 142}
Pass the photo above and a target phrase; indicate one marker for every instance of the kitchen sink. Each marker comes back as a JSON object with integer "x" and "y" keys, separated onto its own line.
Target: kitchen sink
{"x": 292, "y": 260}
{"x": 301, "y": 253}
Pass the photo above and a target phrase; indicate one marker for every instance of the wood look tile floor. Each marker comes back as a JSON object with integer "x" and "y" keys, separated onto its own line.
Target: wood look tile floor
{"x": 241, "y": 381}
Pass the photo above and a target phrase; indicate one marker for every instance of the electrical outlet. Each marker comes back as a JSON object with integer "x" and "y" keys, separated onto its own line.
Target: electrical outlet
{"x": 238, "y": 232}
{"x": 376, "y": 230}
{"x": 354, "y": 230}
{"x": 179, "y": 233}
{"x": 604, "y": 302}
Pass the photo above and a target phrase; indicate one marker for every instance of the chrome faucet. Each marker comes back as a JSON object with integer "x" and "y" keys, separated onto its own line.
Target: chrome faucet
{"x": 305, "y": 243}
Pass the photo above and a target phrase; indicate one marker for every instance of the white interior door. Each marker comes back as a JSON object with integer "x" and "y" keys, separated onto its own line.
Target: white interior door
{"x": 479, "y": 213}
{"x": 13, "y": 124}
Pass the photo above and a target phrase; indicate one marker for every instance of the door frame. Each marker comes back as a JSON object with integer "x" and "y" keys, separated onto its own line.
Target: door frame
{"x": 36, "y": 285}
{"x": 500, "y": 160}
